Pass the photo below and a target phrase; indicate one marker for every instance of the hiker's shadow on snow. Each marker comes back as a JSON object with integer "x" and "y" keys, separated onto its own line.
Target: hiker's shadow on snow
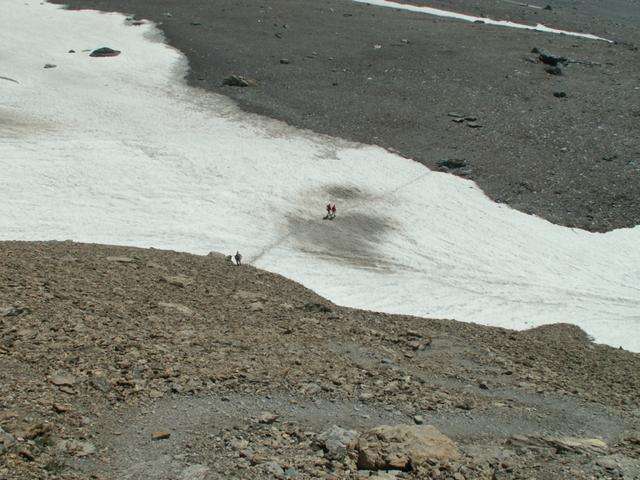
{"x": 352, "y": 238}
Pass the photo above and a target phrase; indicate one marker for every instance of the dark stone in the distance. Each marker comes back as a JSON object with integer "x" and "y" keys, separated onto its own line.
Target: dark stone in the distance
{"x": 559, "y": 94}
{"x": 316, "y": 307}
{"x": 452, "y": 163}
{"x": 13, "y": 311}
{"x": 549, "y": 58}
{"x": 236, "y": 81}
{"x": 105, "y": 52}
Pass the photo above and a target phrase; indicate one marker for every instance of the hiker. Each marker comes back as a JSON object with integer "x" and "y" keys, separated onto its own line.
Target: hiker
{"x": 333, "y": 211}
{"x": 328, "y": 210}
{"x": 238, "y": 258}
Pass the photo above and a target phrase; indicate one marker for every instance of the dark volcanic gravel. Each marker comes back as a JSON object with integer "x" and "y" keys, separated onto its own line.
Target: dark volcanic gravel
{"x": 389, "y": 77}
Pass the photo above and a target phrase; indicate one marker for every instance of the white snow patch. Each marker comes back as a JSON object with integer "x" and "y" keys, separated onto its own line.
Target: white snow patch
{"x": 470, "y": 18}
{"x": 120, "y": 151}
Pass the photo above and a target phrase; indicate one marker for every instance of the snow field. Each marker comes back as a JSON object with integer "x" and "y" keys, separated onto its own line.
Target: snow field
{"x": 120, "y": 151}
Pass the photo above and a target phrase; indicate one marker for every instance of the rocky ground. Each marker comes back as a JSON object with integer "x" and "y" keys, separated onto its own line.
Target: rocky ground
{"x": 564, "y": 145}
{"x": 124, "y": 363}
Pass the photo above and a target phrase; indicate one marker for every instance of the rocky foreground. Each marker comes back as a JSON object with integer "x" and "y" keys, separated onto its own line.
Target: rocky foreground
{"x": 123, "y": 363}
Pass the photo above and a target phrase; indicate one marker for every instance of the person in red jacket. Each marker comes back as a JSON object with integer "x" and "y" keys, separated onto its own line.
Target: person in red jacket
{"x": 333, "y": 211}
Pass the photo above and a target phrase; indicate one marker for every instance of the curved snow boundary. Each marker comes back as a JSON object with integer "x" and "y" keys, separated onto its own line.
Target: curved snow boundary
{"x": 470, "y": 18}
{"x": 121, "y": 151}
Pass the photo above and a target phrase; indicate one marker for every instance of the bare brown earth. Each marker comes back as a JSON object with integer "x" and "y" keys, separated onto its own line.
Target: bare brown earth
{"x": 390, "y": 78}
{"x": 236, "y": 372}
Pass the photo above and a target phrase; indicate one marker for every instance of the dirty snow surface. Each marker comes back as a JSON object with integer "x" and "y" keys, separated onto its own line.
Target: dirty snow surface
{"x": 119, "y": 150}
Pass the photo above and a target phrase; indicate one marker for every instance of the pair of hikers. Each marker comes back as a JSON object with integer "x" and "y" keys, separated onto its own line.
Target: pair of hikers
{"x": 331, "y": 211}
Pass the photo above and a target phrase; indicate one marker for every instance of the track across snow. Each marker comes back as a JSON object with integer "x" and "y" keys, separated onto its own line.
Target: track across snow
{"x": 470, "y": 18}
{"x": 119, "y": 150}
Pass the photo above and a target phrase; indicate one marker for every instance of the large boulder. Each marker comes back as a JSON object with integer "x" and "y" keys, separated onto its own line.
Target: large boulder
{"x": 403, "y": 447}
{"x": 338, "y": 442}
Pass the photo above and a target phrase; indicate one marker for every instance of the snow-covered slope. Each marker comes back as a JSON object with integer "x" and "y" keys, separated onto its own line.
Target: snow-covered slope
{"x": 119, "y": 150}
